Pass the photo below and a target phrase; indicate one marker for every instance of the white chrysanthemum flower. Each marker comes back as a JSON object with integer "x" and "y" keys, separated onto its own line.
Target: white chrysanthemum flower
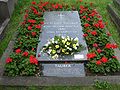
{"x": 49, "y": 51}
{"x": 57, "y": 46}
{"x": 63, "y": 41}
{"x": 55, "y": 56}
{"x": 74, "y": 46}
{"x": 71, "y": 38}
{"x": 70, "y": 49}
{"x": 62, "y": 37}
{"x": 58, "y": 51}
{"x": 50, "y": 47}
{"x": 53, "y": 51}
{"x": 76, "y": 39}
{"x": 46, "y": 44}
{"x": 65, "y": 45}
{"x": 53, "y": 41}
{"x": 77, "y": 44}
{"x": 68, "y": 43}
{"x": 68, "y": 38}
{"x": 67, "y": 53}
{"x": 56, "y": 42}
{"x": 63, "y": 50}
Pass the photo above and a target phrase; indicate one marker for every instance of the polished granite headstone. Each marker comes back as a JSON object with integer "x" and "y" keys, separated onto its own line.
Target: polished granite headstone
{"x": 62, "y": 23}
{"x": 64, "y": 70}
{"x": 6, "y": 10}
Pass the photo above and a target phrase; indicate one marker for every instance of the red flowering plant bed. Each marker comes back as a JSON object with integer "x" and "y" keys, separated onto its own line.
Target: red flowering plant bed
{"x": 101, "y": 54}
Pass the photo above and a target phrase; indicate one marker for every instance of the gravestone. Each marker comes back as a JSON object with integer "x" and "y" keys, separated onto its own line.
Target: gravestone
{"x": 6, "y": 10}
{"x": 62, "y": 23}
{"x": 64, "y": 70}
{"x": 114, "y": 13}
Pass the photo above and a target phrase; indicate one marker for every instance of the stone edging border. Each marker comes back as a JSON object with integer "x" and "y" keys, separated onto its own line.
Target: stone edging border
{"x": 56, "y": 81}
{"x": 114, "y": 16}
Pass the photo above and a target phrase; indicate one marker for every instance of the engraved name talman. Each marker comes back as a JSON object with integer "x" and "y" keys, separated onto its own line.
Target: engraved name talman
{"x": 62, "y": 65}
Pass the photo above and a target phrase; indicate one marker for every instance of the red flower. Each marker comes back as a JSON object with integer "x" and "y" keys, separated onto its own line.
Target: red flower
{"x": 41, "y": 22}
{"x": 98, "y": 62}
{"x": 104, "y": 59}
{"x": 94, "y": 33}
{"x": 88, "y": 19}
{"x": 41, "y": 7}
{"x": 45, "y": 3}
{"x": 108, "y": 33}
{"x": 91, "y": 55}
{"x": 114, "y": 46}
{"x": 17, "y": 51}
{"x": 33, "y": 2}
{"x": 85, "y": 35}
{"x": 99, "y": 50}
{"x": 101, "y": 25}
{"x": 82, "y": 7}
{"x": 33, "y": 60}
{"x": 86, "y": 25}
{"x": 95, "y": 45}
{"x": 92, "y": 14}
{"x": 114, "y": 57}
{"x": 96, "y": 25}
{"x": 88, "y": 31}
{"x": 33, "y": 49}
{"x": 26, "y": 11}
{"x": 29, "y": 28}
{"x": 38, "y": 26}
{"x": 84, "y": 17}
{"x": 81, "y": 0}
{"x": 60, "y": 6}
{"x": 39, "y": 55}
{"x": 25, "y": 54}
{"x": 91, "y": 4}
{"x": 31, "y": 21}
{"x": 9, "y": 60}
{"x": 35, "y": 12}
{"x": 25, "y": 16}
{"x": 55, "y": 6}
{"x": 108, "y": 45}
{"x": 98, "y": 16}
{"x": 23, "y": 23}
{"x": 33, "y": 33}
{"x": 81, "y": 11}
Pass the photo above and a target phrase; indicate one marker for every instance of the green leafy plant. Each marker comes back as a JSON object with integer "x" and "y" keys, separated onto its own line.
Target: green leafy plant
{"x": 21, "y": 64}
{"x": 102, "y": 84}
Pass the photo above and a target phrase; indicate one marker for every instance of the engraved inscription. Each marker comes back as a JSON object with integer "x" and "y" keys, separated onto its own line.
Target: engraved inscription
{"x": 62, "y": 65}
{"x": 68, "y": 25}
{"x": 72, "y": 70}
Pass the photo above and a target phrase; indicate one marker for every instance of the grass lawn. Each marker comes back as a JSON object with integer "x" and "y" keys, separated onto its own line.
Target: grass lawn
{"x": 114, "y": 87}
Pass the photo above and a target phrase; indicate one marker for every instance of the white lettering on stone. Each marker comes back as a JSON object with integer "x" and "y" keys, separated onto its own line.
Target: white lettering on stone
{"x": 62, "y": 65}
